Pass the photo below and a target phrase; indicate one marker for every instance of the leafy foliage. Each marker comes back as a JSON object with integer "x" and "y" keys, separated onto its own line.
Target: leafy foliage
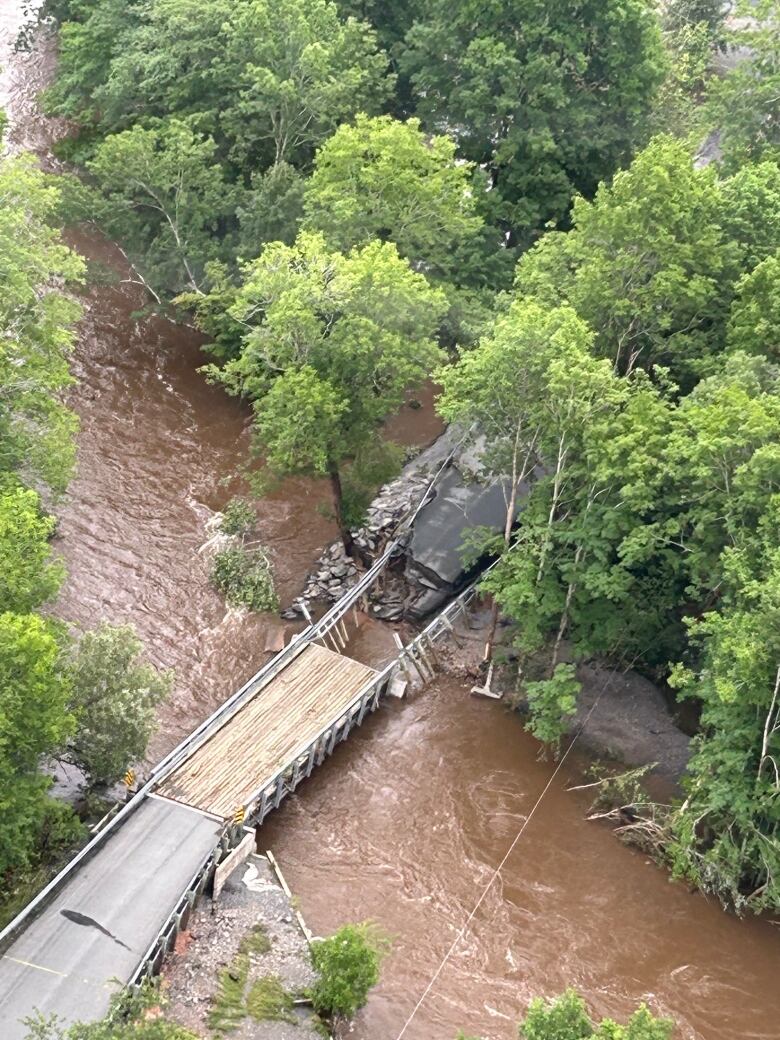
{"x": 744, "y": 103}
{"x": 549, "y": 111}
{"x": 244, "y": 576}
{"x": 348, "y": 965}
{"x": 165, "y": 198}
{"x": 646, "y": 264}
{"x": 238, "y": 517}
{"x": 566, "y": 1018}
{"x": 36, "y": 324}
{"x": 196, "y": 121}
{"x": 385, "y": 179}
{"x": 115, "y": 696}
{"x": 28, "y": 575}
{"x": 35, "y": 720}
{"x": 332, "y": 342}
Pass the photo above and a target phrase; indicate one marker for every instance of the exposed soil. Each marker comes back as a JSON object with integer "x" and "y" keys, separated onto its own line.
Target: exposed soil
{"x": 252, "y": 897}
{"x": 621, "y": 716}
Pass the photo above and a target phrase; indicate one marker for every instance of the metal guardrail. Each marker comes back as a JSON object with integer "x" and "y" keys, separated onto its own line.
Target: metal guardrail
{"x": 217, "y": 719}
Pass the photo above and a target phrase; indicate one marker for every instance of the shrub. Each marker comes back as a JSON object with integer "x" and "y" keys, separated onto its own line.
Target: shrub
{"x": 238, "y": 517}
{"x": 567, "y": 1018}
{"x": 348, "y": 966}
{"x": 552, "y": 703}
{"x": 244, "y": 577}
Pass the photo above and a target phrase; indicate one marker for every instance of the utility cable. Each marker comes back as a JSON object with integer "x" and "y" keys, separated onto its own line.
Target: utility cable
{"x": 496, "y": 873}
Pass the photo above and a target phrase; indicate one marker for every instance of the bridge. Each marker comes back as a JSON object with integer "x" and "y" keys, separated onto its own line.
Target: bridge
{"x": 112, "y": 914}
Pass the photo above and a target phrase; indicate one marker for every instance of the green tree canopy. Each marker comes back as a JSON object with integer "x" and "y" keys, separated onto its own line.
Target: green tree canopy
{"x": 115, "y": 696}
{"x": 301, "y": 71}
{"x": 35, "y": 721}
{"x": 384, "y": 179}
{"x": 28, "y": 575}
{"x": 744, "y": 103}
{"x": 347, "y": 965}
{"x": 36, "y": 322}
{"x": 550, "y": 110}
{"x": 567, "y": 1018}
{"x": 165, "y": 198}
{"x": 646, "y": 264}
{"x": 754, "y": 323}
{"x": 331, "y": 343}
{"x": 751, "y": 211}
{"x": 727, "y": 832}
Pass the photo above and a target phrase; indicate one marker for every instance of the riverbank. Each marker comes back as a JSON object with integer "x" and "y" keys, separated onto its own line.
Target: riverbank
{"x": 407, "y": 822}
{"x": 243, "y": 962}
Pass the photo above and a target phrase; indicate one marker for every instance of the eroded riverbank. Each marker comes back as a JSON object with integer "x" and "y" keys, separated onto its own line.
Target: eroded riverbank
{"x": 406, "y": 823}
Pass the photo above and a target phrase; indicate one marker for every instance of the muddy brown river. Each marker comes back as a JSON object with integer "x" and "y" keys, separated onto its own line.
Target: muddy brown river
{"x": 406, "y": 823}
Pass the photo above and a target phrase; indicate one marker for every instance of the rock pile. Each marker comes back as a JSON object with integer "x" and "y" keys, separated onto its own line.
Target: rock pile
{"x": 336, "y": 573}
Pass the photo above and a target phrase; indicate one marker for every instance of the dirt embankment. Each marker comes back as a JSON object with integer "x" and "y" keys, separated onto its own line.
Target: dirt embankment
{"x": 621, "y": 716}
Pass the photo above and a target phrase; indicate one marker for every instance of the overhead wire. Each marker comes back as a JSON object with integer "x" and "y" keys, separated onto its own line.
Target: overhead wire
{"x": 497, "y": 872}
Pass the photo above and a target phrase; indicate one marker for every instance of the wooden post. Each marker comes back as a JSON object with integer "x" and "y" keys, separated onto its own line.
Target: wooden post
{"x": 263, "y": 806}
{"x": 310, "y": 762}
{"x": 426, "y": 659}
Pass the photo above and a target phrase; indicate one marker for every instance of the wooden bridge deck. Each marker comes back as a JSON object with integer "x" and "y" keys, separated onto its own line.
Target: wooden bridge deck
{"x": 264, "y": 735}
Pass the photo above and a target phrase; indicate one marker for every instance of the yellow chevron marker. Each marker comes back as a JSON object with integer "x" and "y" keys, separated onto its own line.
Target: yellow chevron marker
{"x": 239, "y": 814}
{"x": 129, "y": 778}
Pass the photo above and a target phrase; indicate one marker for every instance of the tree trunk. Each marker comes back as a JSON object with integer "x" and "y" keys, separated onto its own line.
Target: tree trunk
{"x": 517, "y": 479}
{"x": 338, "y": 498}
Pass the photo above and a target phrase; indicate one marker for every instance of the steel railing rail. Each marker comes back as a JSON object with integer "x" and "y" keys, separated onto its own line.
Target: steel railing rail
{"x": 219, "y": 717}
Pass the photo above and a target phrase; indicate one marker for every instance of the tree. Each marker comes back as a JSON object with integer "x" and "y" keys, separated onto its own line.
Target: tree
{"x": 298, "y": 71}
{"x": 581, "y": 451}
{"x": 91, "y": 33}
{"x": 36, "y": 320}
{"x": 35, "y": 721}
{"x": 114, "y": 700}
{"x": 331, "y": 344}
{"x": 567, "y": 1018}
{"x": 550, "y": 110}
{"x": 28, "y": 576}
{"x": 726, "y": 834}
{"x": 751, "y": 212}
{"x": 646, "y": 265}
{"x": 165, "y": 197}
{"x": 384, "y": 179}
{"x": 494, "y": 391}
{"x": 744, "y": 103}
{"x": 754, "y": 322}
{"x": 347, "y": 966}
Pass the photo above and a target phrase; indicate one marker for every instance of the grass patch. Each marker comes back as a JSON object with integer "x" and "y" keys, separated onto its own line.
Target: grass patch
{"x": 229, "y": 1009}
{"x": 268, "y": 1000}
{"x": 256, "y": 941}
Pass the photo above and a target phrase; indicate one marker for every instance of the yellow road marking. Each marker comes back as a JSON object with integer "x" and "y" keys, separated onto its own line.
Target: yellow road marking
{"x": 40, "y": 967}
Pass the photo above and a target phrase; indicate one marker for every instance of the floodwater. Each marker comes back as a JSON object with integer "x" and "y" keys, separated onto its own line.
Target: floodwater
{"x": 407, "y": 822}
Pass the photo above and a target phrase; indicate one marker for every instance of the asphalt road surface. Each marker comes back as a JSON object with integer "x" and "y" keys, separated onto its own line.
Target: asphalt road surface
{"x": 90, "y": 939}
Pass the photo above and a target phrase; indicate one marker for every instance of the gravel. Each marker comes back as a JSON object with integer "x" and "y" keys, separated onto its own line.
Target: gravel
{"x": 252, "y": 896}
